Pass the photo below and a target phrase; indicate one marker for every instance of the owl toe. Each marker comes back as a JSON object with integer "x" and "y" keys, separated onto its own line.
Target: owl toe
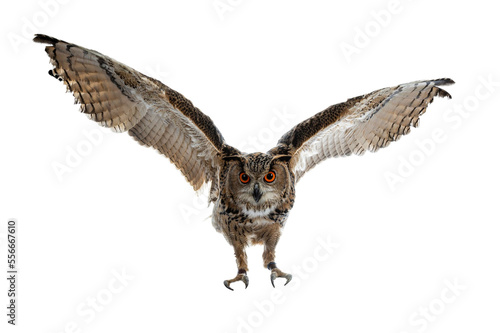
{"x": 240, "y": 277}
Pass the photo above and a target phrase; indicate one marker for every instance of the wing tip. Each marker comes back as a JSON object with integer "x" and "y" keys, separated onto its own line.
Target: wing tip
{"x": 44, "y": 39}
{"x": 443, "y": 82}
{"x": 443, "y": 93}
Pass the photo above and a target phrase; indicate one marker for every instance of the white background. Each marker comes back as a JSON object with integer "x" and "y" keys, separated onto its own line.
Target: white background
{"x": 126, "y": 208}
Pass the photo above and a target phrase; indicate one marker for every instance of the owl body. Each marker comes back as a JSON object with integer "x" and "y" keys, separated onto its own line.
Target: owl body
{"x": 252, "y": 193}
{"x": 249, "y": 213}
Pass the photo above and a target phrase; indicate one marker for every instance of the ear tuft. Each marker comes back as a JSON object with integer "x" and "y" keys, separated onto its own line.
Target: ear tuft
{"x": 283, "y": 158}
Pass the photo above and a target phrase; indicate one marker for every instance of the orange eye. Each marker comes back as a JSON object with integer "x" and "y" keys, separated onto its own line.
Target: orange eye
{"x": 244, "y": 178}
{"x": 270, "y": 177}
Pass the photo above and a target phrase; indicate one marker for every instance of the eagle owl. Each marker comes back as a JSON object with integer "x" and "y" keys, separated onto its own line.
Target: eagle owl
{"x": 252, "y": 194}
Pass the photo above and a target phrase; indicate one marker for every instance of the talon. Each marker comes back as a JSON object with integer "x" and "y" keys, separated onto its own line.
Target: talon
{"x": 227, "y": 284}
{"x": 273, "y": 277}
{"x": 240, "y": 277}
{"x": 288, "y": 278}
{"x": 276, "y": 273}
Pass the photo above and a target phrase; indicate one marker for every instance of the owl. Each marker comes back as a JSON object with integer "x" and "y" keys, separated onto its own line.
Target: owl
{"x": 252, "y": 193}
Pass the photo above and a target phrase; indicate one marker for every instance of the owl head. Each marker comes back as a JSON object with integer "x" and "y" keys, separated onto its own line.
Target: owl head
{"x": 258, "y": 181}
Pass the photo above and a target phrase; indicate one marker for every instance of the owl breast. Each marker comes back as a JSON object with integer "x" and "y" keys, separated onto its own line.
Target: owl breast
{"x": 258, "y": 214}
{"x": 247, "y": 226}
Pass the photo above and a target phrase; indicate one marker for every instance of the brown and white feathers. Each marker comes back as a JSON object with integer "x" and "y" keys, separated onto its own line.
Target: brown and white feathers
{"x": 362, "y": 123}
{"x": 252, "y": 193}
{"x": 121, "y": 98}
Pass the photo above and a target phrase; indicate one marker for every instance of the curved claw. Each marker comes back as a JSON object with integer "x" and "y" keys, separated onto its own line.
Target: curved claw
{"x": 240, "y": 277}
{"x": 245, "y": 280}
{"x": 273, "y": 277}
{"x": 288, "y": 278}
{"x": 227, "y": 284}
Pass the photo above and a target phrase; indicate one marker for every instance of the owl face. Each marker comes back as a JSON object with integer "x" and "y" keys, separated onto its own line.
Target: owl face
{"x": 258, "y": 182}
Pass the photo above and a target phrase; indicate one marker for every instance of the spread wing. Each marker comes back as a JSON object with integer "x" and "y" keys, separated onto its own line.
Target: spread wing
{"x": 362, "y": 123}
{"x": 116, "y": 96}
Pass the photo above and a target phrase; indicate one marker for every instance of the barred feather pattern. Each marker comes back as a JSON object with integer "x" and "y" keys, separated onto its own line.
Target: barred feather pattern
{"x": 123, "y": 99}
{"x": 364, "y": 123}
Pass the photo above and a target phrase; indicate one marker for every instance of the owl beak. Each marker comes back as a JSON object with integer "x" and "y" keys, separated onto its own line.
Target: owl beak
{"x": 257, "y": 193}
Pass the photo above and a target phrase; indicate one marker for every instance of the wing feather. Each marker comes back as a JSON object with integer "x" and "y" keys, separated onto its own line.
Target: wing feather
{"x": 367, "y": 122}
{"x": 116, "y": 96}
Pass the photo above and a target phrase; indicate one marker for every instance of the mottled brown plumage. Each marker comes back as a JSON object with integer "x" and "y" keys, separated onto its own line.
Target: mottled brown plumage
{"x": 252, "y": 193}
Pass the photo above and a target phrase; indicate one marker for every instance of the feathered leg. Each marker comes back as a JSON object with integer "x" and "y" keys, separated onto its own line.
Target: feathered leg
{"x": 269, "y": 255}
{"x": 241, "y": 261}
